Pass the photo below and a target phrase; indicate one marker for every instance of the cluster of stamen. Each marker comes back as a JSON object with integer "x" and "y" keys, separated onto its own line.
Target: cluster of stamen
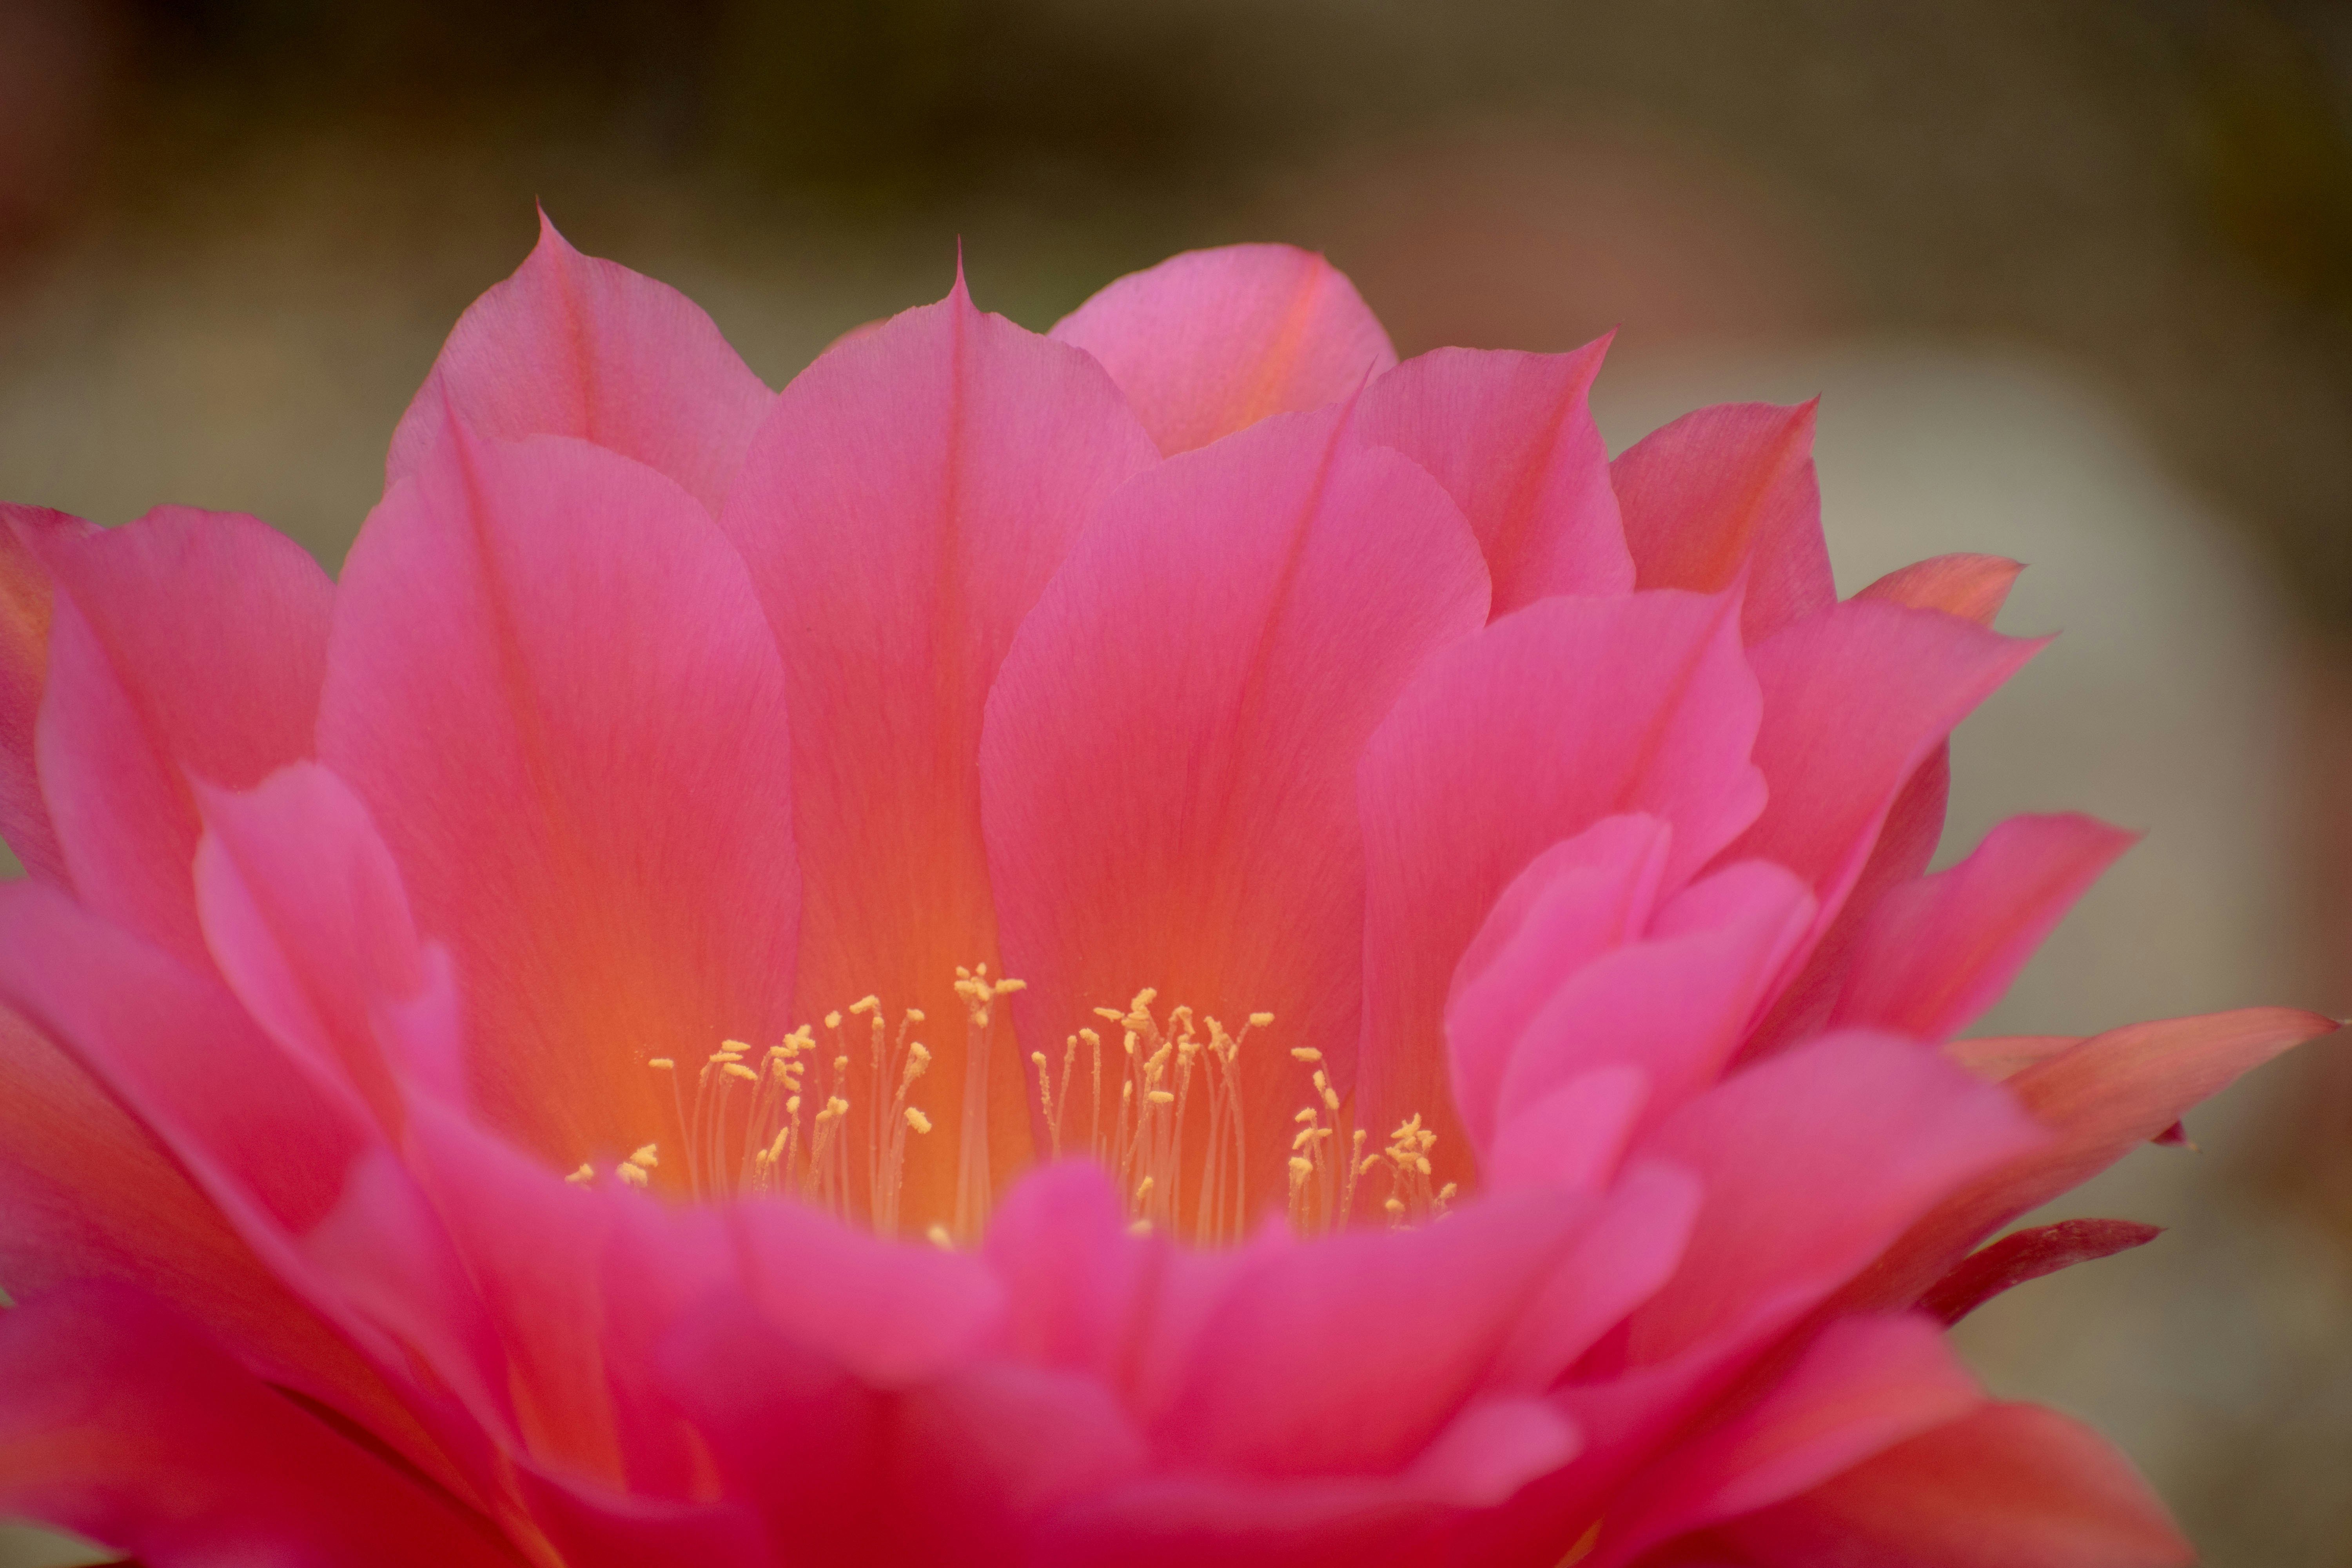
{"x": 1156, "y": 1100}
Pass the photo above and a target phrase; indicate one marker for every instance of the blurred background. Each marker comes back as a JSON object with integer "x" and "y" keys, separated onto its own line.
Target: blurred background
{"x": 2075, "y": 282}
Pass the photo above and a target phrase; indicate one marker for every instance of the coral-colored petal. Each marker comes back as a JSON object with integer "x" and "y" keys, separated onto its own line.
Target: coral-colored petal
{"x": 1210, "y": 341}
{"x": 1973, "y": 587}
{"x": 1511, "y": 438}
{"x": 573, "y": 346}
{"x": 1855, "y": 700}
{"x": 1726, "y": 495}
{"x": 900, "y": 513}
{"x": 122, "y": 1422}
{"x": 1165, "y": 790}
{"x": 1507, "y": 742}
{"x": 26, "y": 534}
{"x": 2027, "y": 1254}
{"x": 2101, "y": 1098}
{"x": 1276, "y": 1383}
{"x": 87, "y": 1196}
{"x": 1937, "y": 951}
{"x": 1815, "y": 1161}
{"x": 2009, "y": 1486}
{"x": 268, "y": 1145}
{"x": 187, "y": 645}
{"x": 551, "y": 686}
{"x": 1862, "y": 1387}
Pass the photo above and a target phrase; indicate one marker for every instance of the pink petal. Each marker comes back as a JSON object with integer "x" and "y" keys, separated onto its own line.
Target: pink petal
{"x": 1906, "y": 844}
{"x": 1674, "y": 1006}
{"x": 573, "y": 346}
{"x": 2027, "y": 1254}
{"x": 1507, "y": 741}
{"x": 787, "y": 1428}
{"x": 1855, "y": 700}
{"x": 308, "y": 922}
{"x": 1211, "y": 342}
{"x": 1628, "y": 1250}
{"x": 1511, "y": 438}
{"x": 27, "y": 532}
{"x": 900, "y": 513}
{"x": 543, "y": 655}
{"x": 1937, "y": 951}
{"x": 1573, "y": 1136}
{"x": 2100, "y": 1098}
{"x": 893, "y": 1314}
{"x": 185, "y": 645}
{"x": 1579, "y": 900}
{"x": 2009, "y": 1486}
{"x": 1973, "y": 587}
{"x": 1072, "y": 1276}
{"x": 1279, "y": 1383}
{"x": 124, "y": 1424}
{"x": 1815, "y": 1161}
{"x": 1862, "y": 1387}
{"x": 1726, "y": 495}
{"x": 1159, "y": 796}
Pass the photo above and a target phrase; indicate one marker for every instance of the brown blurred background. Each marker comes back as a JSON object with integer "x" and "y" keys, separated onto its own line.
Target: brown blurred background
{"x": 2076, "y": 281}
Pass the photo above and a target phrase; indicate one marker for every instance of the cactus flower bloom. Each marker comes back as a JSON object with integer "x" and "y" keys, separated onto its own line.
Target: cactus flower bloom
{"x": 1170, "y": 942}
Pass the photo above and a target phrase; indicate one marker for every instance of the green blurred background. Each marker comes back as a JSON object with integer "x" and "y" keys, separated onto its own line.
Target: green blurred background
{"x": 2076, "y": 281}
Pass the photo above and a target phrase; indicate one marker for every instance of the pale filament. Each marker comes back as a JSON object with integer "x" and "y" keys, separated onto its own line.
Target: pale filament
{"x": 833, "y": 1121}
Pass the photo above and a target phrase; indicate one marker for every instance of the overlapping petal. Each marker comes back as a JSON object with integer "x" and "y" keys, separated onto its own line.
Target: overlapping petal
{"x": 1211, "y": 342}
{"x": 900, "y": 512}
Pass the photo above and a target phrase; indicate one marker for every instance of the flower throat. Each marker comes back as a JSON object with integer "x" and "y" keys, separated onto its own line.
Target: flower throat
{"x": 836, "y": 1120}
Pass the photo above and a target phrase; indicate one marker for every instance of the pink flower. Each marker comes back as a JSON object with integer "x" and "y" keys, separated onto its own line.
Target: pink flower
{"x": 1542, "y": 1141}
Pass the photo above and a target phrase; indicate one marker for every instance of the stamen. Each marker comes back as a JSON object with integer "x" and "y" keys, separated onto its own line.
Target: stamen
{"x": 763, "y": 1126}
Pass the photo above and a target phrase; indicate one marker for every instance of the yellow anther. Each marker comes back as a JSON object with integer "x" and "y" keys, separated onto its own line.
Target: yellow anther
{"x": 918, "y": 1054}
{"x": 1143, "y": 1189}
{"x": 648, "y": 1155}
{"x": 1330, "y": 1101}
{"x": 1007, "y": 987}
{"x": 1306, "y": 1054}
{"x": 1038, "y": 1057}
{"x": 1300, "y": 1167}
{"x": 582, "y": 1176}
{"x": 663, "y": 1064}
{"x": 729, "y": 1056}
{"x": 631, "y": 1176}
{"x": 776, "y": 1149}
{"x": 792, "y": 1106}
{"x": 1090, "y": 1036}
{"x": 1161, "y": 1097}
{"x": 736, "y": 1046}
{"x": 937, "y": 1235}
{"x": 1143, "y": 1000}
{"x": 1306, "y": 1135}
{"x": 737, "y": 1070}
{"x": 1260, "y": 1020}
{"x": 833, "y": 1020}
{"x": 1306, "y": 1113}
{"x": 914, "y": 1015}
{"x": 917, "y": 1120}
{"x": 865, "y": 1004}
